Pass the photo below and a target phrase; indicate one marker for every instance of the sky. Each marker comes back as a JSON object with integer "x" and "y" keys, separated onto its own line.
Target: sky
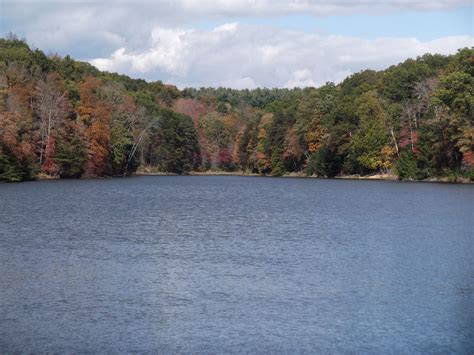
{"x": 241, "y": 43}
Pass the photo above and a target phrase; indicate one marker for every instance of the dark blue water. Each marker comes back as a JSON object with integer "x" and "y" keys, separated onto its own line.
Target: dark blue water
{"x": 236, "y": 264}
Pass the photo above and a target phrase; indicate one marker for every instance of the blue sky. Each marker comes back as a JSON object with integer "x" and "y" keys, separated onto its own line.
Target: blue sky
{"x": 424, "y": 25}
{"x": 241, "y": 43}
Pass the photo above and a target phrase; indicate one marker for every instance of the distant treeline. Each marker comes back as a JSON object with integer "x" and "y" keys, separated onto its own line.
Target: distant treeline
{"x": 62, "y": 117}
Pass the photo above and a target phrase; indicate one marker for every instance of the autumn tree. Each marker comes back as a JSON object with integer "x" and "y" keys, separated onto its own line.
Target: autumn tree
{"x": 52, "y": 107}
{"x": 94, "y": 113}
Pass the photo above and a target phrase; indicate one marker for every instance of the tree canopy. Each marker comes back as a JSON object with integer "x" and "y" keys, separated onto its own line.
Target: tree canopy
{"x": 65, "y": 118}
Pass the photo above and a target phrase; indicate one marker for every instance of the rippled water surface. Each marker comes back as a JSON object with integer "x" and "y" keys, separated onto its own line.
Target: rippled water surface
{"x": 236, "y": 264}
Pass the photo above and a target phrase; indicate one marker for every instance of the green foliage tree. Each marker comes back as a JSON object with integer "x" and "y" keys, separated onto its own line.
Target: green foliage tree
{"x": 278, "y": 167}
{"x": 71, "y": 155}
{"x": 121, "y": 144}
{"x": 368, "y": 141}
{"x": 325, "y": 162}
{"x": 178, "y": 151}
{"x": 456, "y": 91}
{"x": 406, "y": 166}
{"x": 13, "y": 169}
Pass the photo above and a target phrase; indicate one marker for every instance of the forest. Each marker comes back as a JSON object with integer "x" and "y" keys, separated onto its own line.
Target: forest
{"x": 64, "y": 118}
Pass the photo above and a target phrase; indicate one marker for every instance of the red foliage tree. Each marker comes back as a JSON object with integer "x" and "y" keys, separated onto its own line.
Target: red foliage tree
{"x": 49, "y": 166}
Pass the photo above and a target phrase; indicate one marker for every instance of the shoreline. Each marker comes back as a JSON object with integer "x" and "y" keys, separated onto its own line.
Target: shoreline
{"x": 376, "y": 177}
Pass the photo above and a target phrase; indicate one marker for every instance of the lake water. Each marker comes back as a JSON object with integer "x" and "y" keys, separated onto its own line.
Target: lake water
{"x": 236, "y": 264}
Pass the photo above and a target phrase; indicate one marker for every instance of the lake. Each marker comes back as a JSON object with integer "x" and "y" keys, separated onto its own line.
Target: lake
{"x": 236, "y": 264}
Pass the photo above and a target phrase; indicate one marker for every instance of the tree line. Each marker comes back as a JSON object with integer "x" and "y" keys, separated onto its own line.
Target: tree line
{"x": 64, "y": 118}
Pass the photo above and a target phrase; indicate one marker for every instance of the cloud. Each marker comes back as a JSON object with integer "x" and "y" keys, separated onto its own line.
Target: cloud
{"x": 242, "y": 56}
{"x": 169, "y": 47}
{"x": 173, "y": 40}
{"x": 99, "y": 24}
{"x": 318, "y": 7}
{"x": 274, "y": 7}
{"x": 301, "y": 78}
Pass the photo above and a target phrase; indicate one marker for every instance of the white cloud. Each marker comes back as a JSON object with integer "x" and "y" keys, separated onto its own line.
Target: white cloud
{"x": 106, "y": 22}
{"x": 227, "y": 27}
{"x": 249, "y": 56}
{"x": 239, "y": 83}
{"x": 301, "y": 78}
{"x": 158, "y": 39}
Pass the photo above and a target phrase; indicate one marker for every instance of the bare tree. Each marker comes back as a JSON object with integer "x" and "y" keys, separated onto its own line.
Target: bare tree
{"x": 52, "y": 107}
{"x": 414, "y": 109}
{"x": 423, "y": 92}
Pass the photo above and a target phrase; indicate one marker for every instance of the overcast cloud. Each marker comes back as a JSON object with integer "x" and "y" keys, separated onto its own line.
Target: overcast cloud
{"x": 166, "y": 40}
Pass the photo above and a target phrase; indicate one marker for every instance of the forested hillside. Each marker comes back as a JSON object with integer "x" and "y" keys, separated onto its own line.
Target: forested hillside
{"x": 61, "y": 117}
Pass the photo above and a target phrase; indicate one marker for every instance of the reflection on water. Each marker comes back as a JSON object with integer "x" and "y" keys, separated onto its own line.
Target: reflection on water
{"x": 236, "y": 264}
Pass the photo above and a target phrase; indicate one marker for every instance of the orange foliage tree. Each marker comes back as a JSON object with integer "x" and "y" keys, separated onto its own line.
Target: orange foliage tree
{"x": 94, "y": 113}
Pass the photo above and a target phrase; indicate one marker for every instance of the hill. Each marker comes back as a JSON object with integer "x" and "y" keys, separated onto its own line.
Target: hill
{"x": 65, "y": 118}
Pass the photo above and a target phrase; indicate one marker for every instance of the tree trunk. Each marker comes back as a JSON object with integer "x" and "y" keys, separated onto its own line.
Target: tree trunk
{"x": 395, "y": 142}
